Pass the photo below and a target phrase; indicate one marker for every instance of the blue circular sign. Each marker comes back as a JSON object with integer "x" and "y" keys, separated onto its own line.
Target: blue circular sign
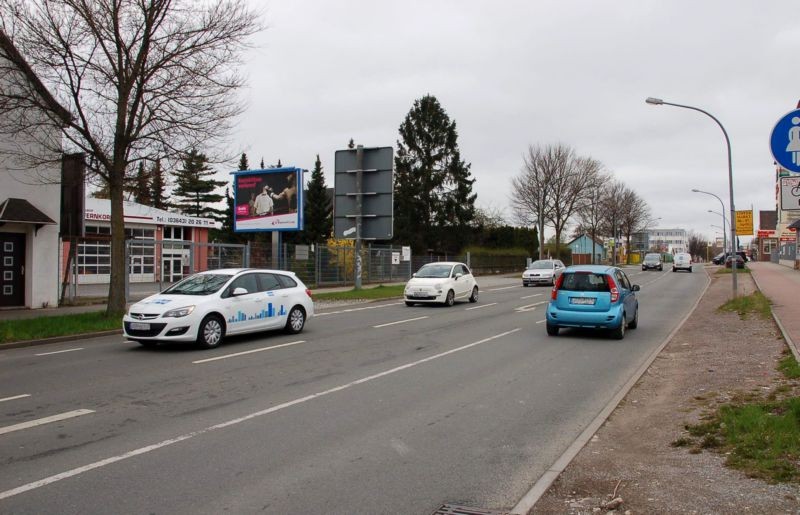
{"x": 785, "y": 141}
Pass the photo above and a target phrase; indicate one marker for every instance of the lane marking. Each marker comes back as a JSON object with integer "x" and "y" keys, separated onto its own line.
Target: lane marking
{"x": 356, "y": 309}
{"x": 46, "y": 420}
{"x": 542, "y": 321}
{"x": 226, "y": 356}
{"x": 398, "y": 322}
{"x": 504, "y": 288}
{"x": 58, "y": 352}
{"x": 529, "y": 307}
{"x": 142, "y": 450}
{"x": 481, "y": 306}
{"x": 15, "y": 397}
{"x": 531, "y": 296}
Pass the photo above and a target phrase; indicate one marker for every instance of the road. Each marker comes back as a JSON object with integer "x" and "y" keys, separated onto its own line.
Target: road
{"x": 374, "y": 408}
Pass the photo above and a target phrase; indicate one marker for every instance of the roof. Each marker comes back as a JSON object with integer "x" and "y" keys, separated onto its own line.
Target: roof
{"x": 589, "y": 268}
{"x": 19, "y": 210}
{"x": 596, "y": 242}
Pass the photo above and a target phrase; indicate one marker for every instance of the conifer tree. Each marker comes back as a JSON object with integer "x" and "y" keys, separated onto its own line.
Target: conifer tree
{"x": 194, "y": 188}
{"x": 142, "y": 193}
{"x": 262, "y": 163}
{"x": 433, "y": 199}
{"x": 318, "y": 212}
{"x": 158, "y": 185}
{"x": 243, "y": 164}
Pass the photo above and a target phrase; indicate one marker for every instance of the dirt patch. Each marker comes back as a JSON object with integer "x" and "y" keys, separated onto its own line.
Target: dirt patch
{"x": 713, "y": 358}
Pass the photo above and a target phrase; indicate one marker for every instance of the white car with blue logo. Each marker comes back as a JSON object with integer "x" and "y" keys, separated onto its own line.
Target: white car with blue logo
{"x": 206, "y": 307}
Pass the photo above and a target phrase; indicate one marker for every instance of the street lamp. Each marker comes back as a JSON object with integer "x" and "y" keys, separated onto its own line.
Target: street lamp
{"x": 724, "y": 220}
{"x": 724, "y": 239}
{"x": 658, "y": 101}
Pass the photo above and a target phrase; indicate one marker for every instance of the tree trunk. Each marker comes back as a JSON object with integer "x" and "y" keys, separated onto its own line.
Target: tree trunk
{"x": 116, "y": 288}
{"x": 541, "y": 237}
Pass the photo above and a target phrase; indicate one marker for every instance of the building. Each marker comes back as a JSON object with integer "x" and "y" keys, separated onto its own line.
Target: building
{"x": 668, "y": 240}
{"x": 583, "y": 247}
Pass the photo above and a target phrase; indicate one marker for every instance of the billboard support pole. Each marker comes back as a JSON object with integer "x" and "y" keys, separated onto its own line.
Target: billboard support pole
{"x": 359, "y": 206}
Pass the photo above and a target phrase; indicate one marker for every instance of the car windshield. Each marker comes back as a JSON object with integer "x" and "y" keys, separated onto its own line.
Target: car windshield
{"x": 539, "y": 265}
{"x": 585, "y": 281}
{"x": 652, "y": 257}
{"x": 200, "y": 284}
{"x": 434, "y": 271}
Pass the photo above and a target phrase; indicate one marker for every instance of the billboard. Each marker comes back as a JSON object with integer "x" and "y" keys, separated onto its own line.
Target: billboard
{"x": 268, "y": 200}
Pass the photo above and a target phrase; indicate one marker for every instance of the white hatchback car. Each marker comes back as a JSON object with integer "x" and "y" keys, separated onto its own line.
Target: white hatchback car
{"x": 443, "y": 282}
{"x": 682, "y": 261}
{"x": 544, "y": 271}
{"x": 206, "y": 307}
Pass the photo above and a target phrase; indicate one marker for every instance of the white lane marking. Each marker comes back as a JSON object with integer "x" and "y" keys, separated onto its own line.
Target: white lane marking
{"x": 15, "y": 397}
{"x": 142, "y": 450}
{"x": 356, "y": 309}
{"x": 529, "y": 307}
{"x": 504, "y": 288}
{"x": 542, "y": 321}
{"x": 398, "y": 322}
{"x": 46, "y": 420}
{"x": 226, "y": 356}
{"x": 531, "y": 296}
{"x": 481, "y": 306}
{"x": 58, "y": 352}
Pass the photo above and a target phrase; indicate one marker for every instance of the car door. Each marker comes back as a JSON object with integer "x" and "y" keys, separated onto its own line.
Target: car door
{"x": 628, "y": 296}
{"x": 276, "y": 300}
{"x": 463, "y": 285}
{"x": 242, "y": 312}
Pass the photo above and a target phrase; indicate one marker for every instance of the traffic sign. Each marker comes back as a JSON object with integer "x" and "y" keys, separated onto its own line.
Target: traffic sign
{"x": 364, "y": 193}
{"x": 784, "y": 142}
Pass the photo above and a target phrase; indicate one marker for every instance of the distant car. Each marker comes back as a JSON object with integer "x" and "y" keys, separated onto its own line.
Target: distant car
{"x": 544, "y": 271}
{"x": 652, "y": 261}
{"x": 441, "y": 283}
{"x": 593, "y": 296}
{"x": 208, "y": 306}
{"x": 719, "y": 258}
{"x": 739, "y": 261}
{"x": 682, "y": 261}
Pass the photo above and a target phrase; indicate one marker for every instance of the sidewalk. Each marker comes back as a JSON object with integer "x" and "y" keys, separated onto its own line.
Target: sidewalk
{"x": 781, "y": 285}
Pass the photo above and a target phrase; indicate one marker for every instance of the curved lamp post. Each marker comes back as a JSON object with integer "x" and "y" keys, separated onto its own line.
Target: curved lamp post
{"x": 658, "y": 101}
{"x": 724, "y": 220}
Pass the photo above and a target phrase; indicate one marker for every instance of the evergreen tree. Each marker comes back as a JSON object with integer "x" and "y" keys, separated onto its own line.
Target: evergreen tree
{"x": 262, "y": 163}
{"x": 243, "y": 164}
{"x": 158, "y": 184}
{"x": 194, "y": 188}
{"x": 142, "y": 193}
{"x": 433, "y": 199}
{"x": 318, "y": 212}
{"x": 227, "y": 233}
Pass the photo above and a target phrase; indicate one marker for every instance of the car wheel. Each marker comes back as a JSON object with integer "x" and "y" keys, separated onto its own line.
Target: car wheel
{"x": 690, "y": 270}
{"x": 552, "y": 330}
{"x": 633, "y": 324}
{"x": 674, "y": 269}
{"x": 474, "y": 297}
{"x": 409, "y": 304}
{"x": 450, "y": 299}
{"x": 296, "y": 320}
{"x": 619, "y": 332}
{"x": 524, "y": 285}
{"x": 661, "y": 269}
{"x": 211, "y": 332}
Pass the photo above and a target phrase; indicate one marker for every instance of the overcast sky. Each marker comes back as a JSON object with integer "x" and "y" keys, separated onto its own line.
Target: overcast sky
{"x": 517, "y": 73}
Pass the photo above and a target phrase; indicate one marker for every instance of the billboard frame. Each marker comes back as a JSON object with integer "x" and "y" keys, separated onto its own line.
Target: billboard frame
{"x": 266, "y": 172}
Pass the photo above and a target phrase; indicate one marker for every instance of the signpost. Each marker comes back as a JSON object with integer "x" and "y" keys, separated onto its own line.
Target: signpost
{"x": 363, "y": 207}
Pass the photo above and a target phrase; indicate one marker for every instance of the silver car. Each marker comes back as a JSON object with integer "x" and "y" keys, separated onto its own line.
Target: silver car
{"x": 544, "y": 271}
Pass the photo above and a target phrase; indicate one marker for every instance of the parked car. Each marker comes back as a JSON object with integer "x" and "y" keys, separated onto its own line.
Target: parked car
{"x": 544, "y": 271}
{"x": 682, "y": 261}
{"x": 739, "y": 261}
{"x": 593, "y": 296}
{"x": 208, "y": 306}
{"x": 652, "y": 261}
{"x": 719, "y": 258}
{"x": 443, "y": 282}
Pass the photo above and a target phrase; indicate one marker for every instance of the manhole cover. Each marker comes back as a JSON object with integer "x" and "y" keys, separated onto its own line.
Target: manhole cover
{"x": 454, "y": 509}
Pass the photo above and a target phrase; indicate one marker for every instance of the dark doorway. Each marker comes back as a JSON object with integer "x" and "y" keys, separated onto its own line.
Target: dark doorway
{"x": 12, "y": 269}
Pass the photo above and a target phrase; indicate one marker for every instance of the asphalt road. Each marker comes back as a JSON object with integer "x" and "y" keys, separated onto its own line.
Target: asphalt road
{"x": 374, "y": 408}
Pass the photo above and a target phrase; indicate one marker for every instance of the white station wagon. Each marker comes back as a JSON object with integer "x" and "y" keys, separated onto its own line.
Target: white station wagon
{"x": 441, "y": 283}
{"x": 207, "y": 306}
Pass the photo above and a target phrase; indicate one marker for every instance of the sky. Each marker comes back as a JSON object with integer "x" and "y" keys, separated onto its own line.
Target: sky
{"x": 518, "y": 73}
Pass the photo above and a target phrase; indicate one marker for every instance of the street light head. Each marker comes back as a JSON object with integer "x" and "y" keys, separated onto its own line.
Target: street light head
{"x": 695, "y": 191}
{"x": 654, "y": 101}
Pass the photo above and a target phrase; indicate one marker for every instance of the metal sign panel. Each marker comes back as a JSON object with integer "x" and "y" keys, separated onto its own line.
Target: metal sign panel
{"x": 744, "y": 223}
{"x": 784, "y": 142}
{"x": 268, "y": 200}
{"x": 377, "y": 194}
{"x": 790, "y": 193}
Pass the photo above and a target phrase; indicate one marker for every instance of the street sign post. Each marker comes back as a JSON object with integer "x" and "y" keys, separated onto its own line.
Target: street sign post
{"x": 363, "y": 205}
{"x": 784, "y": 141}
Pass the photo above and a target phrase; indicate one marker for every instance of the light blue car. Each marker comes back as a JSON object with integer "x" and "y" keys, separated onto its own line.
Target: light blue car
{"x": 595, "y": 297}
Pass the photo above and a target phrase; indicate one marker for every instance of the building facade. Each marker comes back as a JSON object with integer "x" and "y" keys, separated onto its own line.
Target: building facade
{"x": 668, "y": 240}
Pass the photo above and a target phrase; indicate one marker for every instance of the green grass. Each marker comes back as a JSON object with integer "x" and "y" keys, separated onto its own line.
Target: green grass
{"x": 739, "y": 270}
{"x": 789, "y": 367}
{"x": 378, "y": 292}
{"x": 62, "y": 325}
{"x": 755, "y": 303}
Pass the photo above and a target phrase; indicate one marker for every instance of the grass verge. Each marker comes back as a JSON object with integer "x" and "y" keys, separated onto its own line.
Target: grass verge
{"x": 378, "y": 292}
{"x": 723, "y": 271}
{"x": 61, "y": 325}
{"x": 789, "y": 367}
{"x": 756, "y": 303}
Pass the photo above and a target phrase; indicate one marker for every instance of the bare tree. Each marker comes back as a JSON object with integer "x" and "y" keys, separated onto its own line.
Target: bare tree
{"x": 530, "y": 191}
{"x": 612, "y": 209}
{"x": 140, "y": 80}
{"x": 589, "y": 213}
{"x": 635, "y": 216}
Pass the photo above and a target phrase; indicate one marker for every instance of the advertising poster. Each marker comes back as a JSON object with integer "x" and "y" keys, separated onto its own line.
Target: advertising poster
{"x": 268, "y": 200}
{"x": 744, "y": 223}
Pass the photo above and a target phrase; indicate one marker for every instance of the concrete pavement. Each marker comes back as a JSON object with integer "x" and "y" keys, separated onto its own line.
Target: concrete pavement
{"x": 781, "y": 285}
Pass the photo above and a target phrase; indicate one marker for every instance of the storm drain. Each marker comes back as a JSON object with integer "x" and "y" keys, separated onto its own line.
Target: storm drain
{"x": 454, "y": 509}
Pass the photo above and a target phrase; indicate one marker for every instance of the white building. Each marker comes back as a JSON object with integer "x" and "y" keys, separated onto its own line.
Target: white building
{"x": 668, "y": 240}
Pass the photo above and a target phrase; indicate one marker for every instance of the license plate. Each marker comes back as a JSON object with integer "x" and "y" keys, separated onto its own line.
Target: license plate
{"x": 582, "y": 300}
{"x": 138, "y": 326}
{"x": 420, "y": 294}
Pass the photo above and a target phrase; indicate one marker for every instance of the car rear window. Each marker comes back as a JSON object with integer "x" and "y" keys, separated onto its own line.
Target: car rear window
{"x": 585, "y": 282}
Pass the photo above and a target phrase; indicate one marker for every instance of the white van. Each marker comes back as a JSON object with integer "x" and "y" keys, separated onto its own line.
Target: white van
{"x": 682, "y": 261}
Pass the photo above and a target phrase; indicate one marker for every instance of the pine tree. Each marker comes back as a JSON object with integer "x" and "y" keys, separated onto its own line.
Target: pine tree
{"x": 227, "y": 233}
{"x": 318, "y": 212}
{"x": 262, "y": 163}
{"x": 142, "y": 193}
{"x": 243, "y": 164}
{"x": 158, "y": 184}
{"x": 194, "y": 188}
{"x": 433, "y": 199}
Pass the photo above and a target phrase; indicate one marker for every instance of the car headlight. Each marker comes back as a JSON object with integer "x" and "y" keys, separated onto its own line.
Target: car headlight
{"x": 177, "y": 313}
{"x": 438, "y": 286}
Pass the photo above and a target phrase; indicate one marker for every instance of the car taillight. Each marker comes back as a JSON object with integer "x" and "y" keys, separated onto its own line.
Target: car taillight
{"x": 556, "y": 286}
{"x": 612, "y": 286}
{"x": 308, "y": 292}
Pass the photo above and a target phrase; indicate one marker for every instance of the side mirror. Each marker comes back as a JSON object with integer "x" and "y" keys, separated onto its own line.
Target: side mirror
{"x": 459, "y": 275}
{"x": 414, "y": 274}
{"x": 635, "y": 287}
{"x": 239, "y": 291}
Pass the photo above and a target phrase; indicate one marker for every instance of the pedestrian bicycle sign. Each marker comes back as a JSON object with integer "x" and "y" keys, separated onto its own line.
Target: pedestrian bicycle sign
{"x": 785, "y": 141}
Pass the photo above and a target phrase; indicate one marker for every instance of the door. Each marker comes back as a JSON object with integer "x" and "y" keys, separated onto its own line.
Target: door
{"x": 463, "y": 285}
{"x": 12, "y": 269}
{"x": 276, "y": 300}
{"x": 244, "y": 312}
{"x": 172, "y": 268}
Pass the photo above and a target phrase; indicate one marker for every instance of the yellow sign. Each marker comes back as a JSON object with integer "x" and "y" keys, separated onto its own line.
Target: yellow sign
{"x": 744, "y": 223}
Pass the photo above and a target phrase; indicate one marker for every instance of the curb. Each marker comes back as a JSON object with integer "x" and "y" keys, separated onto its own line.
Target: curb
{"x": 792, "y": 345}
{"x": 57, "y": 339}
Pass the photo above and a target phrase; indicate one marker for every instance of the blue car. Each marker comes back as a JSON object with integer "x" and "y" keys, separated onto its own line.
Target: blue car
{"x": 596, "y": 297}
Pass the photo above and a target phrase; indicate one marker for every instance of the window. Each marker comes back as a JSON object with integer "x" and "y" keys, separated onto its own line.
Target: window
{"x": 247, "y": 281}
{"x": 268, "y": 282}
{"x": 585, "y": 282}
{"x": 286, "y": 281}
